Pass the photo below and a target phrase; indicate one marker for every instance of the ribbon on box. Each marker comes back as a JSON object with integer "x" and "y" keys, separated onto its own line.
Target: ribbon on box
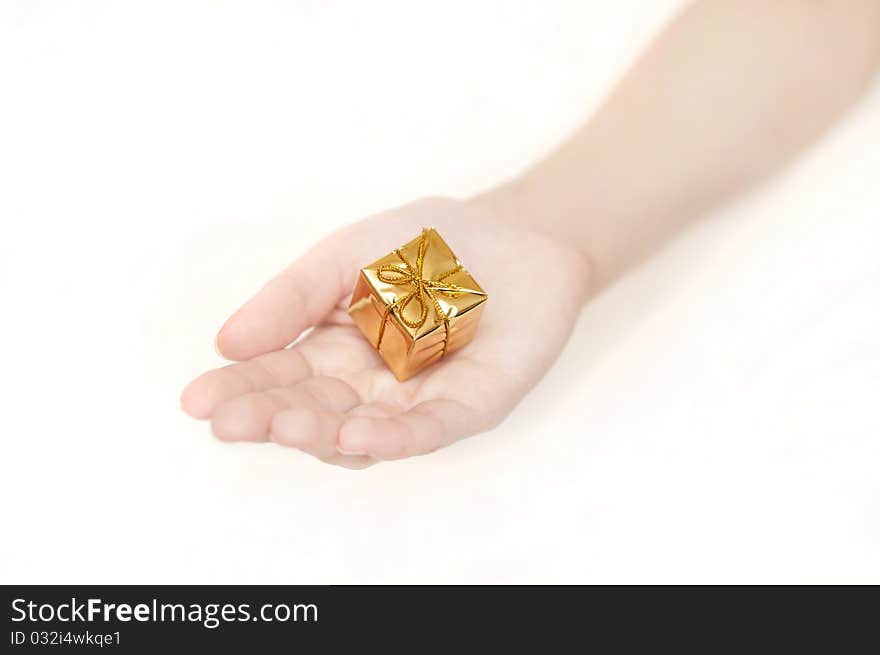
{"x": 424, "y": 291}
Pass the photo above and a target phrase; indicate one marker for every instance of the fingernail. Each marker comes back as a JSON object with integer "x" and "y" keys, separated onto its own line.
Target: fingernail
{"x": 219, "y": 332}
{"x": 341, "y": 451}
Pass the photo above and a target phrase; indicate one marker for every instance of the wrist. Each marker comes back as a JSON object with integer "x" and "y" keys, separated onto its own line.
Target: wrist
{"x": 513, "y": 204}
{"x": 509, "y": 203}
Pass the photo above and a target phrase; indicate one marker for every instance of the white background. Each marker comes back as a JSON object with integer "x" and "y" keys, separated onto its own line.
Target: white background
{"x": 715, "y": 417}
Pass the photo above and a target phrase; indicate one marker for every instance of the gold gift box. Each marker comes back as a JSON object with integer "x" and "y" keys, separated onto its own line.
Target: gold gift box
{"x": 417, "y": 304}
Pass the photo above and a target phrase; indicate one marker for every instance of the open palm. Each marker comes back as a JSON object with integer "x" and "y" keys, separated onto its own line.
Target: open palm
{"x": 331, "y": 395}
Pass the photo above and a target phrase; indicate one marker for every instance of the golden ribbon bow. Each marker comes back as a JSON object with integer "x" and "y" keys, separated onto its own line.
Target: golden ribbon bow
{"x": 423, "y": 290}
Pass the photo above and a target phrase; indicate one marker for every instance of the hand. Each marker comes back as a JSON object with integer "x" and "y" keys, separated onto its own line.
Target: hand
{"x": 331, "y": 395}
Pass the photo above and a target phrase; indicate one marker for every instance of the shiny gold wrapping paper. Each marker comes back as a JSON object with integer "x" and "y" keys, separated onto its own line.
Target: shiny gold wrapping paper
{"x": 417, "y": 304}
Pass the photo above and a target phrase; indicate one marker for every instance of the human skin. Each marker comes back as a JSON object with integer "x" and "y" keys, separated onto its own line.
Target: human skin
{"x": 727, "y": 94}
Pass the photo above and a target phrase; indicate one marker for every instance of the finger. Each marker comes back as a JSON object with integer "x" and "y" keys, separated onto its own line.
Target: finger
{"x": 277, "y": 369}
{"x": 354, "y": 462}
{"x": 249, "y": 417}
{"x": 311, "y": 429}
{"x": 373, "y": 410}
{"x": 315, "y": 431}
{"x": 294, "y": 300}
{"x": 426, "y": 427}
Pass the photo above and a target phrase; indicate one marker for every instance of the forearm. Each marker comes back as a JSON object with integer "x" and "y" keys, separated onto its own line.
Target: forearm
{"x": 728, "y": 93}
